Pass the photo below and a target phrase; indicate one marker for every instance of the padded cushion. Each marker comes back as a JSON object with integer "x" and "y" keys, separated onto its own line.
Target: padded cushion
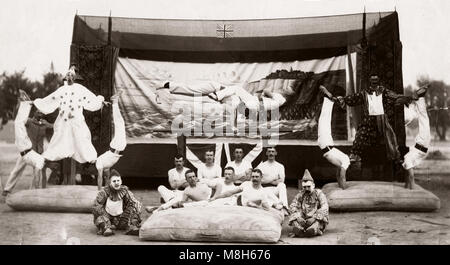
{"x": 219, "y": 224}
{"x": 379, "y": 196}
{"x": 73, "y": 198}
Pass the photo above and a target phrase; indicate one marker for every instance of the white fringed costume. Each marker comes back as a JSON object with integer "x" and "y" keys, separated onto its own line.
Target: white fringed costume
{"x": 71, "y": 137}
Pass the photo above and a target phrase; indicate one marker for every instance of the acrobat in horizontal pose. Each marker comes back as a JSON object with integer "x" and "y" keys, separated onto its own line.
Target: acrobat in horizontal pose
{"x": 325, "y": 140}
{"x": 267, "y": 100}
{"x": 117, "y": 145}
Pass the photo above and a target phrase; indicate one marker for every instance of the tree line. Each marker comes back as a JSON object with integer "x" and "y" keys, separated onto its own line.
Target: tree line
{"x": 10, "y": 84}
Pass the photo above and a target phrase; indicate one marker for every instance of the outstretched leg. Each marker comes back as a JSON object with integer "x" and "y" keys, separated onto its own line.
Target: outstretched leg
{"x": 117, "y": 145}
{"x": 14, "y": 176}
{"x": 119, "y": 141}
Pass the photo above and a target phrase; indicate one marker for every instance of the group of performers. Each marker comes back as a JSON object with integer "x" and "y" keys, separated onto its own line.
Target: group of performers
{"x": 237, "y": 184}
{"x": 242, "y": 185}
{"x": 375, "y": 126}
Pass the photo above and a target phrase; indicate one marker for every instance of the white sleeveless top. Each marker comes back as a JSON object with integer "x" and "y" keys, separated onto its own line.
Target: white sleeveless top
{"x": 114, "y": 208}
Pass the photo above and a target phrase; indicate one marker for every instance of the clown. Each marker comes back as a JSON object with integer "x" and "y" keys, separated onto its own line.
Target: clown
{"x": 71, "y": 137}
{"x": 116, "y": 208}
{"x": 308, "y": 210}
{"x": 375, "y": 124}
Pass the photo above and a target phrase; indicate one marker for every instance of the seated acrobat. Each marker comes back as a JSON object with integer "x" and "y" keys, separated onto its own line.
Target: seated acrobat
{"x": 253, "y": 194}
{"x": 308, "y": 210}
{"x": 116, "y": 208}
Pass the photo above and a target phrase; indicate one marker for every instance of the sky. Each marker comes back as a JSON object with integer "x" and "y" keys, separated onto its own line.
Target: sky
{"x": 33, "y": 34}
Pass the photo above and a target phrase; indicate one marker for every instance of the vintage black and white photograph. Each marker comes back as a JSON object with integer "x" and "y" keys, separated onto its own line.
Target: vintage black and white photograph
{"x": 224, "y": 122}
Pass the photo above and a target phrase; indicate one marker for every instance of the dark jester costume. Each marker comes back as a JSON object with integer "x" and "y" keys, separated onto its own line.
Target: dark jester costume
{"x": 116, "y": 208}
{"x": 378, "y": 101}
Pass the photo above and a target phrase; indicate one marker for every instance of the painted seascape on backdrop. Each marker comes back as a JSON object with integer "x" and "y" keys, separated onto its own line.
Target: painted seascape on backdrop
{"x": 278, "y": 100}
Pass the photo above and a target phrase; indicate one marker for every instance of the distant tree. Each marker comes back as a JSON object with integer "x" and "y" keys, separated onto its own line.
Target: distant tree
{"x": 52, "y": 81}
{"x": 9, "y": 87}
{"x": 437, "y": 102}
{"x": 11, "y": 83}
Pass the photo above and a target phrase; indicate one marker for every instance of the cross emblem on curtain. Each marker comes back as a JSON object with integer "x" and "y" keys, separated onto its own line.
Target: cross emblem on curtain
{"x": 224, "y": 31}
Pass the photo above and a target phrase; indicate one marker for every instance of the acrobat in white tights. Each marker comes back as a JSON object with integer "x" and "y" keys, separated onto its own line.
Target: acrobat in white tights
{"x": 27, "y": 155}
{"x": 417, "y": 153}
{"x": 326, "y": 143}
{"x": 117, "y": 145}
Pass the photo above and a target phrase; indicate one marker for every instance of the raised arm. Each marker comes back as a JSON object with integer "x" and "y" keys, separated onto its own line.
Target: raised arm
{"x": 90, "y": 102}
{"x": 50, "y": 103}
{"x": 353, "y": 100}
{"x": 398, "y": 99}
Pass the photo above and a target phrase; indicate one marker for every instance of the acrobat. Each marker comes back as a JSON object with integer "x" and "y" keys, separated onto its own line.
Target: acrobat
{"x": 116, "y": 146}
{"x": 325, "y": 139}
{"x": 71, "y": 137}
{"x": 28, "y": 150}
{"x": 417, "y": 153}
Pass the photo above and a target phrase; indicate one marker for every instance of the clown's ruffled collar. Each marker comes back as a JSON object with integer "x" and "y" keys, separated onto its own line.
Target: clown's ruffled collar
{"x": 116, "y": 195}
